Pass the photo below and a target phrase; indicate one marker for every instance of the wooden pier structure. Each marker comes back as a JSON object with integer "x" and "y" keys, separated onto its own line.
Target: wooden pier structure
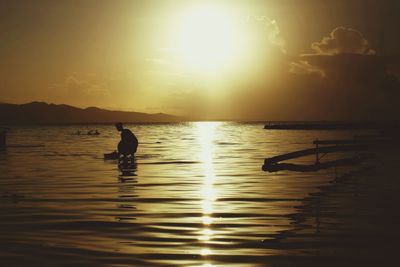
{"x": 323, "y": 147}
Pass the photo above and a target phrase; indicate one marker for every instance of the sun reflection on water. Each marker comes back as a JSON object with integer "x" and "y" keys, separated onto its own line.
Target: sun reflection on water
{"x": 206, "y": 136}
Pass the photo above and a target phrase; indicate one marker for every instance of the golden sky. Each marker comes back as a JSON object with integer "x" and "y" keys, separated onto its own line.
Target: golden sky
{"x": 286, "y": 59}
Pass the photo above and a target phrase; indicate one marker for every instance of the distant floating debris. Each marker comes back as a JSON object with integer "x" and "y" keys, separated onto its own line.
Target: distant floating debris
{"x": 331, "y": 125}
{"x": 93, "y": 132}
{"x": 111, "y": 156}
{"x": 90, "y": 132}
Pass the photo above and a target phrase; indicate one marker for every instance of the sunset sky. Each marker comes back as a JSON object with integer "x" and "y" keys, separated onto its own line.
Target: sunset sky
{"x": 248, "y": 60}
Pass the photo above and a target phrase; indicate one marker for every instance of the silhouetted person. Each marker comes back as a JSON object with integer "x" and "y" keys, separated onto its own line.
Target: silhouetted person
{"x": 2, "y": 140}
{"x": 129, "y": 143}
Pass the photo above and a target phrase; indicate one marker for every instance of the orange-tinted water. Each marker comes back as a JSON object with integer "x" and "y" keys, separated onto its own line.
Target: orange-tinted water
{"x": 197, "y": 198}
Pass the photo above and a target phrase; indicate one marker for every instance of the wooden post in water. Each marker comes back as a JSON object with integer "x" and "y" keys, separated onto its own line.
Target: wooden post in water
{"x": 2, "y": 140}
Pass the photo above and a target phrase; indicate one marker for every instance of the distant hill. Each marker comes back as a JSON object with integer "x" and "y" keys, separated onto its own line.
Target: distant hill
{"x": 44, "y": 113}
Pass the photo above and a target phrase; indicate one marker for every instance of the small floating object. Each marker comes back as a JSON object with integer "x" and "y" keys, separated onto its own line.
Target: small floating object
{"x": 93, "y": 132}
{"x": 111, "y": 156}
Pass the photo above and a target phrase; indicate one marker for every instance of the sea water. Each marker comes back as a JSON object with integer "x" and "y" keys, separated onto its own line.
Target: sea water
{"x": 197, "y": 197}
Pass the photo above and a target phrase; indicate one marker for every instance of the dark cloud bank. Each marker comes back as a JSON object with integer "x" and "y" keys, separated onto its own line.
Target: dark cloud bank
{"x": 344, "y": 79}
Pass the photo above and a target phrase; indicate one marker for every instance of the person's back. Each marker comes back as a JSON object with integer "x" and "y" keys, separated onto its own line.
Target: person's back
{"x": 128, "y": 136}
{"x": 129, "y": 143}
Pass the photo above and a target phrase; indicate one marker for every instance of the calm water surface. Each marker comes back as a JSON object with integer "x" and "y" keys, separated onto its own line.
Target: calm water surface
{"x": 197, "y": 198}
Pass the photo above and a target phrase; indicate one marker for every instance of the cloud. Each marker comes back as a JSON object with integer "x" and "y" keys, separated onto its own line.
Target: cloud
{"x": 86, "y": 89}
{"x": 304, "y": 67}
{"x": 342, "y": 79}
{"x": 273, "y": 33}
{"x": 116, "y": 91}
{"x": 343, "y": 40}
{"x": 268, "y": 29}
{"x": 333, "y": 56}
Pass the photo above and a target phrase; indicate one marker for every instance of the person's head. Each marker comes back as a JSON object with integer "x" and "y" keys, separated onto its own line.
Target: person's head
{"x": 119, "y": 126}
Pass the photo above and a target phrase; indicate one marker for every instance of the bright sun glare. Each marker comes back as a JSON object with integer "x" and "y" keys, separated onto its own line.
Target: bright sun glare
{"x": 208, "y": 39}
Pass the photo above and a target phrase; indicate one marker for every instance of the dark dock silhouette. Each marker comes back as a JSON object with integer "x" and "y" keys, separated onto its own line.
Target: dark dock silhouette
{"x": 330, "y": 125}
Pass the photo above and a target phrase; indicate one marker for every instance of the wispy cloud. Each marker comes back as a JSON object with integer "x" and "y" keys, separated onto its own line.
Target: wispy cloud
{"x": 270, "y": 29}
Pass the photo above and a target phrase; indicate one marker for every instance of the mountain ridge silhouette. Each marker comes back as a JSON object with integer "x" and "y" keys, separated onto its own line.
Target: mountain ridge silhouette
{"x": 45, "y": 113}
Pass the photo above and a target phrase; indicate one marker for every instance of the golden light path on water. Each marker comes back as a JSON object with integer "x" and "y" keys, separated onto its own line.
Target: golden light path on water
{"x": 206, "y": 134}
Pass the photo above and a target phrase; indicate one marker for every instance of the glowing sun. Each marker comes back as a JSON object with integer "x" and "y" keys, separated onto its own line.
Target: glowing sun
{"x": 207, "y": 39}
